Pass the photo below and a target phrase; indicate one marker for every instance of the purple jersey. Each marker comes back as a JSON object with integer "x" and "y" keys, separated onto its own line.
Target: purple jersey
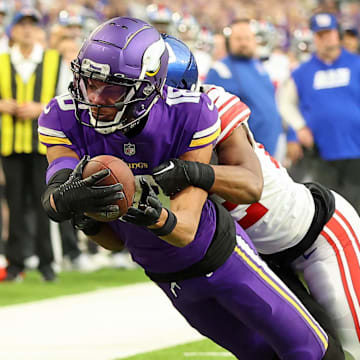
{"x": 179, "y": 122}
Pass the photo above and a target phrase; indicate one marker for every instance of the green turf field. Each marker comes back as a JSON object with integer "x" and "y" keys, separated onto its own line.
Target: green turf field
{"x": 199, "y": 350}
{"x": 33, "y": 288}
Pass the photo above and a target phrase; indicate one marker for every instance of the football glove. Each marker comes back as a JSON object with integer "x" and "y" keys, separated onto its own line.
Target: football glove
{"x": 86, "y": 224}
{"x": 79, "y": 195}
{"x": 149, "y": 211}
{"x": 149, "y": 208}
{"x": 175, "y": 175}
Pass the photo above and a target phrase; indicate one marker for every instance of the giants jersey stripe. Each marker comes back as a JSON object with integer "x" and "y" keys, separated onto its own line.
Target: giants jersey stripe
{"x": 228, "y": 127}
{"x": 232, "y": 118}
{"x": 232, "y": 111}
{"x": 222, "y": 109}
{"x": 219, "y": 95}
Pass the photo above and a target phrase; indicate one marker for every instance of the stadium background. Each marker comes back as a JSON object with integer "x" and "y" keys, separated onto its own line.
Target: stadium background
{"x": 111, "y": 319}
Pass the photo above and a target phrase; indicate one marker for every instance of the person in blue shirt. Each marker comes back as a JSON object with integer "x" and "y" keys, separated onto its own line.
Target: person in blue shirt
{"x": 321, "y": 102}
{"x": 241, "y": 74}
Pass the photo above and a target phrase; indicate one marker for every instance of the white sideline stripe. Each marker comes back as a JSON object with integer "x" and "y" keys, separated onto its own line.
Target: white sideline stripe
{"x": 100, "y": 325}
{"x": 208, "y": 354}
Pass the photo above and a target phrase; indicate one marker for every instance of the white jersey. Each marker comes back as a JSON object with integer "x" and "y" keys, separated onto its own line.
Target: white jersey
{"x": 286, "y": 209}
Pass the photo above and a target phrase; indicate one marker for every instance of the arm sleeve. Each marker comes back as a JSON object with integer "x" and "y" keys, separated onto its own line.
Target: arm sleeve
{"x": 289, "y": 105}
{"x": 51, "y": 130}
{"x": 208, "y": 126}
{"x": 232, "y": 111}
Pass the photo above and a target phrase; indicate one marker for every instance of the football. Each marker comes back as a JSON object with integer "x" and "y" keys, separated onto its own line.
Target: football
{"x": 119, "y": 173}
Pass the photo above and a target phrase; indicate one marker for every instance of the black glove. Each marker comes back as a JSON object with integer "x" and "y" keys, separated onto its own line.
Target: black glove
{"x": 176, "y": 175}
{"x": 88, "y": 225}
{"x": 149, "y": 210}
{"x": 79, "y": 195}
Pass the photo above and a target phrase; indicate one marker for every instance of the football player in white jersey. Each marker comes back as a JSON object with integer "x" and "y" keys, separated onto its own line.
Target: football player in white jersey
{"x": 308, "y": 227}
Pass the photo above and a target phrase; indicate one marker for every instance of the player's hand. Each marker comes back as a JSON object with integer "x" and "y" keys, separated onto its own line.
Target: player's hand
{"x": 79, "y": 195}
{"x": 86, "y": 224}
{"x": 176, "y": 175}
{"x": 149, "y": 210}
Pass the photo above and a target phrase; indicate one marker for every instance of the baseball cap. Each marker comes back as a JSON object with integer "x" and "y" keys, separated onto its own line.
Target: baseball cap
{"x": 323, "y": 21}
{"x": 351, "y": 30}
{"x": 26, "y": 12}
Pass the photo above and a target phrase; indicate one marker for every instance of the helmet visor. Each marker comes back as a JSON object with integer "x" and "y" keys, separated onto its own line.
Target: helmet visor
{"x": 101, "y": 93}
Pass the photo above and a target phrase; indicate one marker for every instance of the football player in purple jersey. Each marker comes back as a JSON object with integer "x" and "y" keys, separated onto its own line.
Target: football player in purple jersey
{"x": 188, "y": 245}
{"x": 282, "y": 238}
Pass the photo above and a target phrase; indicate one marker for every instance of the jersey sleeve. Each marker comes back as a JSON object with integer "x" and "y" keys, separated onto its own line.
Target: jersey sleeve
{"x": 51, "y": 130}
{"x": 232, "y": 111}
{"x": 207, "y": 128}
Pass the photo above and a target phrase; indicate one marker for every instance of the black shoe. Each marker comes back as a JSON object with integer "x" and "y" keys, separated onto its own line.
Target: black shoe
{"x": 47, "y": 273}
{"x": 14, "y": 273}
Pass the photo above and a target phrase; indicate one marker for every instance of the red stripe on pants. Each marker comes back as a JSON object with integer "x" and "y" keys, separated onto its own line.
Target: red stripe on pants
{"x": 347, "y": 247}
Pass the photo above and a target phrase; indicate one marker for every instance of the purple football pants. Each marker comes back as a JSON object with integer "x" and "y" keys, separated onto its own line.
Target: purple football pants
{"x": 245, "y": 308}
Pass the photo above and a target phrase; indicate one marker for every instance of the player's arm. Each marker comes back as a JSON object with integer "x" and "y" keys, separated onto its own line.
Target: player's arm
{"x": 99, "y": 232}
{"x": 177, "y": 225}
{"x": 68, "y": 194}
{"x": 187, "y": 205}
{"x": 238, "y": 177}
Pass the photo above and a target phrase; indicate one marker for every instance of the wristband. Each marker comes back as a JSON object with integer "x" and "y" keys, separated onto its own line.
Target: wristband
{"x": 206, "y": 177}
{"x": 169, "y": 225}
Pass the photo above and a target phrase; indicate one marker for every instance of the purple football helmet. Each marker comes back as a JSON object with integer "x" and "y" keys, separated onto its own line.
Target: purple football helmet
{"x": 129, "y": 58}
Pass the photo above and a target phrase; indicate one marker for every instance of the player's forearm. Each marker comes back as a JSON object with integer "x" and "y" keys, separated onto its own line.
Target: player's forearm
{"x": 237, "y": 184}
{"x": 187, "y": 217}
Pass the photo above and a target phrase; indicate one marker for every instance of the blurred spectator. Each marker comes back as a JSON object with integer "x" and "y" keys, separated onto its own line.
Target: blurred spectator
{"x": 161, "y": 17}
{"x": 72, "y": 24}
{"x": 68, "y": 49}
{"x": 4, "y": 40}
{"x": 203, "y": 48}
{"x": 28, "y": 81}
{"x": 266, "y": 38}
{"x": 219, "y": 50}
{"x": 321, "y": 102}
{"x": 188, "y": 28}
{"x": 301, "y": 44}
{"x": 350, "y": 40}
{"x": 242, "y": 74}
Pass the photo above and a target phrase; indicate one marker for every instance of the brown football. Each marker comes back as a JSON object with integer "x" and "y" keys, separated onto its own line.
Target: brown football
{"x": 119, "y": 173}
